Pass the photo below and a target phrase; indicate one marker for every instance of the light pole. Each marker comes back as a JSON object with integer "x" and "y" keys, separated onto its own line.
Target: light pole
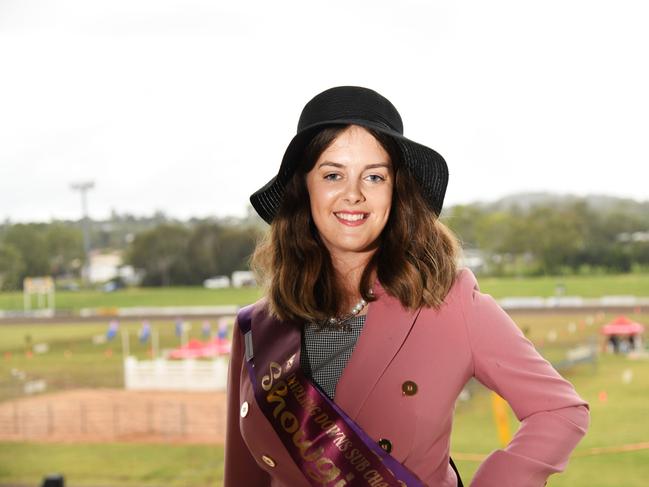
{"x": 83, "y": 188}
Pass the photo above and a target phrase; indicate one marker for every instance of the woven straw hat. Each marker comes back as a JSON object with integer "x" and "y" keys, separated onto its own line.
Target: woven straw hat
{"x": 353, "y": 105}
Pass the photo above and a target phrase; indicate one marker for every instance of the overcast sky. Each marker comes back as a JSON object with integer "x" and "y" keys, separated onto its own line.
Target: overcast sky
{"x": 186, "y": 106}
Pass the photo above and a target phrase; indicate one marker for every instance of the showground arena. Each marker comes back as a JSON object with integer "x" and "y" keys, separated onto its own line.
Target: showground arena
{"x": 85, "y": 408}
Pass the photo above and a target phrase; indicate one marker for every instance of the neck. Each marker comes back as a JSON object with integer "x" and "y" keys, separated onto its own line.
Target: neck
{"x": 349, "y": 270}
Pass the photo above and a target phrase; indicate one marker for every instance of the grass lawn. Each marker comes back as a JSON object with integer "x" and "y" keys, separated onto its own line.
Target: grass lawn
{"x": 73, "y": 360}
{"x": 585, "y": 286}
{"x": 620, "y": 420}
{"x": 133, "y": 297}
{"x": 112, "y": 464}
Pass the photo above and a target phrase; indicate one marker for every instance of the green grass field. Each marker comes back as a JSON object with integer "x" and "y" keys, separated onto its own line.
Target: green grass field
{"x": 125, "y": 298}
{"x": 621, "y": 420}
{"x": 112, "y": 464}
{"x": 74, "y": 361}
{"x": 585, "y": 286}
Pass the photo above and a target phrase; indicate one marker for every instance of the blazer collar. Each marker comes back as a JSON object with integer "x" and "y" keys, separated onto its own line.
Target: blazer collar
{"x": 386, "y": 327}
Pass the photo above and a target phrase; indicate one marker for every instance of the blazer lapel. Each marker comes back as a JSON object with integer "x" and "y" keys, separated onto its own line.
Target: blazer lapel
{"x": 386, "y": 327}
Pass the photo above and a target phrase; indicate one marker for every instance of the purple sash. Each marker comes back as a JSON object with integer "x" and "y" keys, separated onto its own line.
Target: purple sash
{"x": 328, "y": 447}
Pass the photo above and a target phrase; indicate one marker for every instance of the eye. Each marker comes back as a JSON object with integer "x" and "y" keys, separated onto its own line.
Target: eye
{"x": 332, "y": 176}
{"x": 375, "y": 178}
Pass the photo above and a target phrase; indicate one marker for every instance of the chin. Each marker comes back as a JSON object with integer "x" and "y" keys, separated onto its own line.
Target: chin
{"x": 359, "y": 247}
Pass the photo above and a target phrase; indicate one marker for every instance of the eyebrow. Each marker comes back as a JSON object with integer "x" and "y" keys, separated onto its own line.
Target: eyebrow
{"x": 368, "y": 166}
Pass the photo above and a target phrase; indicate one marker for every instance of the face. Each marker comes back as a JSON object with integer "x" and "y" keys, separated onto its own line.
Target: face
{"x": 350, "y": 192}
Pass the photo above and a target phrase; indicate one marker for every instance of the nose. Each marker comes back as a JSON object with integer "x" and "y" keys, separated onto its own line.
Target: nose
{"x": 353, "y": 192}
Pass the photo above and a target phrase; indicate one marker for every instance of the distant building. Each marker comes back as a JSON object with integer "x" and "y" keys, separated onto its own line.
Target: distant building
{"x": 633, "y": 237}
{"x": 216, "y": 282}
{"x": 106, "y": 266}
{"x": 243, "y": 279}
{"x": 473, "y": 259}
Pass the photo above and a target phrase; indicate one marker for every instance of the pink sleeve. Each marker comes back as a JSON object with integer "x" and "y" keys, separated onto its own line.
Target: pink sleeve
{"x": 553, "y": 417}
{"x": 240, "y": 468}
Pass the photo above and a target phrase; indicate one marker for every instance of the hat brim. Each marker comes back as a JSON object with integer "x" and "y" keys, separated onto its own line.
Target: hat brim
{"x": 427, "y": 166}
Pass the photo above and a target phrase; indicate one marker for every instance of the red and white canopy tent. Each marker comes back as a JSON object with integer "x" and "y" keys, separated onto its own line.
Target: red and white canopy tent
{"x": 198, "y": 349}
{"x": 622, "y": 326}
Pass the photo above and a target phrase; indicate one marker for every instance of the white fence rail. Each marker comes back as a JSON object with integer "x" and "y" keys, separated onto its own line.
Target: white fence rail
{"x": 176, "y": 375}
{"x": 572, "y": 302}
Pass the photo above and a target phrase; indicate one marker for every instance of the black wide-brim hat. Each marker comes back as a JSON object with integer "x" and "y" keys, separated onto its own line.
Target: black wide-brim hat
{"x": 353, "y": 105}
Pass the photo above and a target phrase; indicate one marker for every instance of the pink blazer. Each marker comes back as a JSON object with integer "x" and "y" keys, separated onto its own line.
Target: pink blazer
{"x": 469, "y": 336}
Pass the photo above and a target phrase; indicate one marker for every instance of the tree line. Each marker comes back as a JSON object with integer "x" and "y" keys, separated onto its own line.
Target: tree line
{"x": 177, "y": 255}
{"x": 171, "y": 253}
{"x": 550, "y": 238}
{"x": 38, "y": 249}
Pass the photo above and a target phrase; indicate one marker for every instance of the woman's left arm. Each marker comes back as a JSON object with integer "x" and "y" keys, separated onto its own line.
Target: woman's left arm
{"x": 553, "y": 417}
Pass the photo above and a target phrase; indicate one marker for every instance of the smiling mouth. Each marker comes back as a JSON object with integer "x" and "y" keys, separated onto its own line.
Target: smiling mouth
{"x": 351, "y": 217}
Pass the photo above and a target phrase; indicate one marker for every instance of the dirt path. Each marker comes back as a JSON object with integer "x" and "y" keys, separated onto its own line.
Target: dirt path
{"x": 96, "y": 415}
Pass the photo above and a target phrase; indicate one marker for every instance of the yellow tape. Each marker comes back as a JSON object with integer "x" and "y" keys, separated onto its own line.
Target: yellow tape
{"x": 501, "y": 418}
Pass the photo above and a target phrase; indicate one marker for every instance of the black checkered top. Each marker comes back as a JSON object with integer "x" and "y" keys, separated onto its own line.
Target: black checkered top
{"x": 325, "y": 352}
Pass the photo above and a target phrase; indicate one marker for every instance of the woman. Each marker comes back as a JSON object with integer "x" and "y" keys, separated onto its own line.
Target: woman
{"x": 347, "y": 372}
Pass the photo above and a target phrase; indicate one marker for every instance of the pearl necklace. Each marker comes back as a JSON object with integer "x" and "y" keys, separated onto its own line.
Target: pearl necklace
{"x": 339, "y": 322}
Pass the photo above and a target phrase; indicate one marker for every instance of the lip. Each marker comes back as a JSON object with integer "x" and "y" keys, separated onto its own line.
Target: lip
{"x": 354, "y": 223}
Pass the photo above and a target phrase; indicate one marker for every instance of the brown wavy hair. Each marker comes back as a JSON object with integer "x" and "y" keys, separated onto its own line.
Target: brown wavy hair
{"x": 416, "y": 259}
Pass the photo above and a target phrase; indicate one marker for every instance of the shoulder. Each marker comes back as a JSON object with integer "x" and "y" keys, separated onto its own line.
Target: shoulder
{"x": 243, "y": 322}
{"x": 463, "y": 296}
{"x": 463, "y": 290}
{"x": 476, "y": 307}
{"x": 259, "y": 308}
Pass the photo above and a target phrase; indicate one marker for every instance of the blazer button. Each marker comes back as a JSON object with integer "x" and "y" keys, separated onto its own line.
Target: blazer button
{"x": 244, "y": 409}
{"x": 268, "y": 461}
{"x": 409, "y": 388}
{"x": 385, "y": 444}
